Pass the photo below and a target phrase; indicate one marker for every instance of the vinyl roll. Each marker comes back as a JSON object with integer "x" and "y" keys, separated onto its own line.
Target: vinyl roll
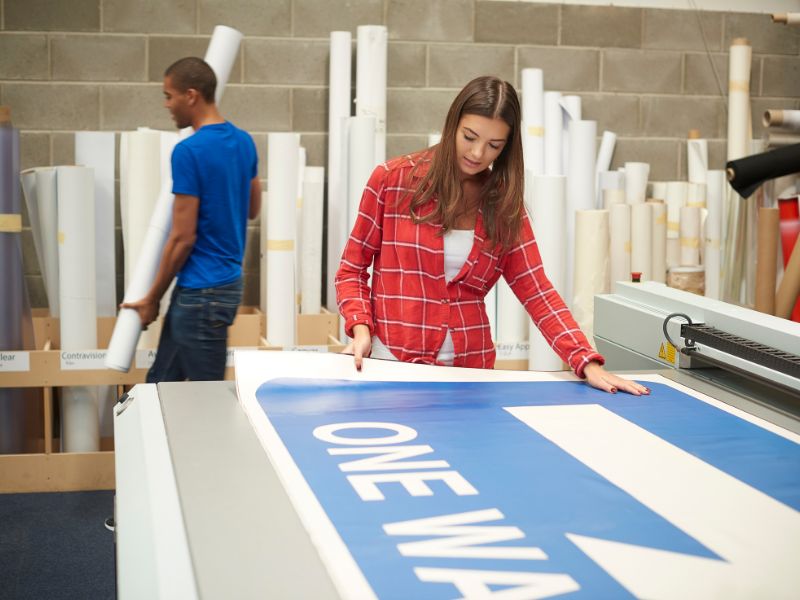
{"x": 546, "y": 203}
{"x": 280, "y": 216}
{"x": 611, "y": 197}
{"x": 533, "y": 120}
{"x": 620, "y": 242}
{"x": 642, "y": 240}
{"x": 553, "y": 126}
{"x": 690, "y": 236}
{"x": 786, "y": 119}
{"x": 659, "y": 238}
{"x": 80, "y": 422}
{"x": 697, "y": 159}
{"x": 360, "y": 162}
{"x": 95, "y": 149}
{"x": 339, "y": 84}
{"x": 746, "y": 174}
{"x": 739, "y": 63}
{"x": 47, "y": 201}
{"x": 636, "y": 176}
{"x": 767, "y": 259}
{"x": 603, "y": 162}
{"x": 14, "y": 309}
{"x": 677, "y": 193}
{"x": 128, "y": 326}
{"x": 716, "y": 189}
{"x": 778, "y": 138}
{"x": 371, "y": 64}
{"x": 580, "y": 187}
{"x": 28, "y": 181}
{"x": 313, "y": 197}
{"x": 591, "y": 265}
{"x": 221, "y": 54}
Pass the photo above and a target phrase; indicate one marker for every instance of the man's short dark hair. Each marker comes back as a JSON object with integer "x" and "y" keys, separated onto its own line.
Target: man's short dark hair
{"x": 193, "y": 73}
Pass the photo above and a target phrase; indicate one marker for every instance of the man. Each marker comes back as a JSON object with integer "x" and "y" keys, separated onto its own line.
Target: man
{"x": 216, "y": 187}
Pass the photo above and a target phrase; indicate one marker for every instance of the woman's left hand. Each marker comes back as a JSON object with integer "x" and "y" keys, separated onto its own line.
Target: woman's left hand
{"x": 597, "y": 376}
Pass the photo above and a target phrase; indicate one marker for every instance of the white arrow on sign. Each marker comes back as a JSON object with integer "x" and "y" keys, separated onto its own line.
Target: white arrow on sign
{"x": 757, "y": 537}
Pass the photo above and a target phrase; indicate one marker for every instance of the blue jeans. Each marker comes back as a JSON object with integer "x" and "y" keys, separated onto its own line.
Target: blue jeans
{"x": 194, "y": 338}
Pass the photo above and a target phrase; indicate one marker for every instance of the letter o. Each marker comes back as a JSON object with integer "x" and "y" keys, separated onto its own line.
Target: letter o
{"x": 328, "y": 433}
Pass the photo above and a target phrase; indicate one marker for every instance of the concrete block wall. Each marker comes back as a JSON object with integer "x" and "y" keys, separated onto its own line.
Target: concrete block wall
{"x": 68, "y": 65}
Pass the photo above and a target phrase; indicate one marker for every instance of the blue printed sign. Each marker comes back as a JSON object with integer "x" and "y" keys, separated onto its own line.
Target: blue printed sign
{"x": 538, "y": 489}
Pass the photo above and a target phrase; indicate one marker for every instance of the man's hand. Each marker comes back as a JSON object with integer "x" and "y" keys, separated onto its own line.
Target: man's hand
{"x": 598, "y": 377}
{"x": 360, "y": 346}
{"x": 147, "y": 309}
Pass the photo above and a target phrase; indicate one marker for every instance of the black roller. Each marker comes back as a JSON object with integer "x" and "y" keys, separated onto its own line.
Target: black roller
{"x": 746, "y": 174}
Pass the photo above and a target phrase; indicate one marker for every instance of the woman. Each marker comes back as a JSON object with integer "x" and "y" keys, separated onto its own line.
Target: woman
{"x": 442, "y": 226}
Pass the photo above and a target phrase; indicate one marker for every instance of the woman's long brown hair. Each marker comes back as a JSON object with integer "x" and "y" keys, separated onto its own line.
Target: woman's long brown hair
{"x": 502, "y": 201}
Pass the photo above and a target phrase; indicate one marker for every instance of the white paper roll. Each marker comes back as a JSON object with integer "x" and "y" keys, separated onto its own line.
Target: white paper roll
{"x": 77, "y": 288}
{"x": 371, "y": 63}
{"x": 128, "y": 326}
{"x": 140, "y": 182}
{"x": 338, "y": 109}
{"x": 717, "y": 188}
{"x": 690, "y": 236}
{"x": 636, "y": 175}
{"x": 604, "y": 156}
{"x": 677, "y": 193}
{"x": 611, "y": 197}
{"x": 696, "y": 195}
{"x": 570, "y": 111}
{"x": 659, "y": 238}
{"x": 697, "y": 159}
{"x": 95, "y": 149}
{"x": 298, "y": 247}
{"x": 221, "y": 54}
{"x": 642, "y": 240}
{"x": 591, "y": 265}
{"x": 739, "y": 127}
{"x": 512, "y": 320}
{"x": 47, "y": 201}
{"x": 580, "y": 185}
{"x": 533, "y": 120}
{"x": 553, "y": 126}
{"x": 28, "y": 180}
{"x": 360, "y": 162}
{"x": 490, "y": 301}
{"x": 283, "y": 151}
{"x": 313, "y": 196}
{"x": 620, "y": 242}
{"x": 546, "y": 202}
{"x": 659, "y": 190}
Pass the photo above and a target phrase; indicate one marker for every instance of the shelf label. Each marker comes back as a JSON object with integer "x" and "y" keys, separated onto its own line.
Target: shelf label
{"x": 512, "y": 350}
{"x": 83, "y": 360}
{"x": 15, "y": 362}
{"x": 145, "y": 357}
{"x": 309, "y": 348}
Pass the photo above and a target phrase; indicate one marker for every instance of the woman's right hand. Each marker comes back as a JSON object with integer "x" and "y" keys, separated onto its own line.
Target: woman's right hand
{"x": 360, "y": 346}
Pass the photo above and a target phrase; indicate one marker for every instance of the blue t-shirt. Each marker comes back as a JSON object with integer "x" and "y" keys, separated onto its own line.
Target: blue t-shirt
{"x": 216, "y": 165}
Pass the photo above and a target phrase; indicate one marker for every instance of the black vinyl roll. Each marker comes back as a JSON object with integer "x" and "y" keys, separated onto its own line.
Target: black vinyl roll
{"x": 746, "y": 174}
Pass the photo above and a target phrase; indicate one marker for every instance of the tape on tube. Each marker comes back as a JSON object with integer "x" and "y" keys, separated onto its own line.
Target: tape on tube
{"x": 10, "y": 223}
{"x": 280, "y": 244}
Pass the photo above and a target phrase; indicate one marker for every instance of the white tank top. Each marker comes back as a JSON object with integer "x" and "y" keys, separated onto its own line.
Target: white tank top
{"x": 457, "y": 246}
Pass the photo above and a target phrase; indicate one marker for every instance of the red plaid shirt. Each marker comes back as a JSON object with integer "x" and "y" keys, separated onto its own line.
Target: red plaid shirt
{"x": 411, "y": 305}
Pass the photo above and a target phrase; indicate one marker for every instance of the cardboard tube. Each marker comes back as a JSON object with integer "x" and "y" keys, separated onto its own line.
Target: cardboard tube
{"x": 768, "y": 230}
{"x": 789, "y": 289}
